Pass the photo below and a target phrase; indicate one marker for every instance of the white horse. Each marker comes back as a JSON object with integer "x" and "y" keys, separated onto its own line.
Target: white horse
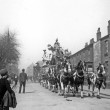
{"x": 96, "y": 80}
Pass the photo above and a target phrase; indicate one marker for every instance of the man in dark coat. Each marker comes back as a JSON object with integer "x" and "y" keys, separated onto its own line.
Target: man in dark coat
{"x": 22, "y": 80}
{"x": 4, "y": 86}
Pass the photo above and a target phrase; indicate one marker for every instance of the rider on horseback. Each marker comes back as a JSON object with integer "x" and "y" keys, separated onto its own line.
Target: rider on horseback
{"x": 101, "y": 70}
{"x": 101, "y": 74}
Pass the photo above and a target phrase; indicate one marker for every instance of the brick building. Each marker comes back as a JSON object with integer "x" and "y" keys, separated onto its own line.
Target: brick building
{"x": 95, "y": 52}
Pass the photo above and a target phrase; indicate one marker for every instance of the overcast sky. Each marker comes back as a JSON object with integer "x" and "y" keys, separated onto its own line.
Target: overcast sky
{"x": 39, "y": 22}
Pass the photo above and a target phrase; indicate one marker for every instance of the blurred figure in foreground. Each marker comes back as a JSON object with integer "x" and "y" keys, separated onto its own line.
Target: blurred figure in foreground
{"x": 4, "y": 86}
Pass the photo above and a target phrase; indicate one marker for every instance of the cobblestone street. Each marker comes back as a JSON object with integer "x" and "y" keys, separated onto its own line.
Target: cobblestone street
{"x": 39, "y": 98}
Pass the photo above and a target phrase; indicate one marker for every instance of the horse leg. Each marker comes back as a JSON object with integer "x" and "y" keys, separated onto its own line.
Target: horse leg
{"x": 104, "y": 83}
{"x": 65, "y": 91}
{"x": 45, "y": 83}
{"x": 88, "y": 89}
{"x": 98, "y": 90}
{"x": 68, "y": 88}
{"x": 59, "y": 89}
{"x": 53, "y": 88}
{"x": 73, "y": 90}
{"x": 48, "y": 85}
{"x": 42, "y": 83}
{"x": 56, "y": 88}
{"x": 93, "y": 86}
{"x": 98, "y": 93}
{"x": 76, "y": 89}
{"x": 62, "y": 88}
{"x": 81, "y": 90}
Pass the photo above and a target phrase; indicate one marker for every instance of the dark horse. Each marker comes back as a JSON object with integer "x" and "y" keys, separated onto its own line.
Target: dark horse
{"x": 78, "y": 77}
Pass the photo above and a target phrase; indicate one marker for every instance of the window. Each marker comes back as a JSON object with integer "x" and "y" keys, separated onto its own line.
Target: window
{"x": 88, "y": 55}
{"x": 106, "y": 48}
{"x": 106, "y": 65}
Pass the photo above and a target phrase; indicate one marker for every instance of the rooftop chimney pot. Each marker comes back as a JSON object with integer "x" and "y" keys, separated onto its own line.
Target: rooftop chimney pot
{"x": 98, "y": 34}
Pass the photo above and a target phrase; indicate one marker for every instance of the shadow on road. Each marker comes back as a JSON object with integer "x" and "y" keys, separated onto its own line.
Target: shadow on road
{"x": 31, "y": 91}
{"x": 105, "y": 97}
{"x": 78, "y": 95}
{"x": 100, "y": 93}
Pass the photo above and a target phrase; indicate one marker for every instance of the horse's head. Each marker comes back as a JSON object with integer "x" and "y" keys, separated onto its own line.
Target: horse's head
{"x": 68, "y": 67}
{"x": 81, "y": 65}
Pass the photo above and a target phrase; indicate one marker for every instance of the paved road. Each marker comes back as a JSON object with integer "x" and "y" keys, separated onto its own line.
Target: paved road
{"x": 39, "y": 98}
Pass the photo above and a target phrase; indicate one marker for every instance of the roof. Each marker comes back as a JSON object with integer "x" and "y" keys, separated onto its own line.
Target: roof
{"x": 105, "y": 37}
{"x": 85, "y": 48}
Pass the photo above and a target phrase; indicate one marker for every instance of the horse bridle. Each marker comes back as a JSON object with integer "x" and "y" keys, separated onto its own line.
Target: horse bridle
{"x": 79, "y": 75}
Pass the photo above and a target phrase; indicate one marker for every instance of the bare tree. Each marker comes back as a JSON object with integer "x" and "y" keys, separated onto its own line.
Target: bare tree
{"x": 8, "y": 49}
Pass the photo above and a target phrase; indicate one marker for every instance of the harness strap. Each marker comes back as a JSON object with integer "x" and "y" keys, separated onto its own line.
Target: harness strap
{"x": 79, "y": 75}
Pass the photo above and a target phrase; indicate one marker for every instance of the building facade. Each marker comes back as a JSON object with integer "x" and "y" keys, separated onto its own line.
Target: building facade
{"x": 86, "y": 54}
{"x": 96, "y": 52}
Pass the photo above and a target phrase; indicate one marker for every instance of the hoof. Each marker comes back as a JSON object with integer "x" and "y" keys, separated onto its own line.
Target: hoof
{"x": 59, "y": 94}
{"x": 89, "y": 95}
{"x": 82, "y": 97}
{"x": 73, "y": 95}
{"x": 65, "y": 96}
{"x": 98, "y": 96}
{"x": 93, "y": 95}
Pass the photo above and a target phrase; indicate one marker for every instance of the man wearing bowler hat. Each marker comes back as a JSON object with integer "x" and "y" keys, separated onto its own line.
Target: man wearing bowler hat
{"x": 4, "y": 86}
{"x": 22, "y": 80}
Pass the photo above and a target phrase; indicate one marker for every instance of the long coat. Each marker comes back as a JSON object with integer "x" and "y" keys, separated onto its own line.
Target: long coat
{"x": 4, "y": 86}
{"x": 22, "y": 77}
{"x": 9, "y": 100}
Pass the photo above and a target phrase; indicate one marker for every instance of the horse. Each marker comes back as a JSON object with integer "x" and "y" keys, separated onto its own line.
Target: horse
{"x": 78, "y": 77}
{"x": 52, "y": 81}
{"x": 97, "y": 80}
{"x": 65, "y": 78}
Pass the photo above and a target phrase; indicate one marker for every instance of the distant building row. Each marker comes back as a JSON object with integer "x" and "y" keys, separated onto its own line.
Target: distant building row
{"x": 96, "y": 52}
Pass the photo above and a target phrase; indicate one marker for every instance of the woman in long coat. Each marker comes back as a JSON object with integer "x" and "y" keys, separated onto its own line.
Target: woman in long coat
{"x": 4, "y": 86}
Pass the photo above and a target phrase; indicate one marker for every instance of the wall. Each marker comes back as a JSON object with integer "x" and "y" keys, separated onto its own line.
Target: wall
{"x": 97, "y": 54}
{"x": 105, "y": 55}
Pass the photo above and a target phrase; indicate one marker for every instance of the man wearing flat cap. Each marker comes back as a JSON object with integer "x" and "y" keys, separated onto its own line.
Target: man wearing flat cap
{"x": 4, "y": 86}
{"x": 22, "y": 80}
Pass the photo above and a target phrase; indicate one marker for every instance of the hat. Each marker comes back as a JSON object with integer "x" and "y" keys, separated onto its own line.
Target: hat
{"x": 3, "y": 72}
{"x": 23, "y": 69}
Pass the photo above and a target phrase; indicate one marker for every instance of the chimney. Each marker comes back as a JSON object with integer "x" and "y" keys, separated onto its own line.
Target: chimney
{"x": 108, "y": 27}
{"x": 92, "y": 41}
{"x": 86, "y": 44}
{"x": 98, "y": 34}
